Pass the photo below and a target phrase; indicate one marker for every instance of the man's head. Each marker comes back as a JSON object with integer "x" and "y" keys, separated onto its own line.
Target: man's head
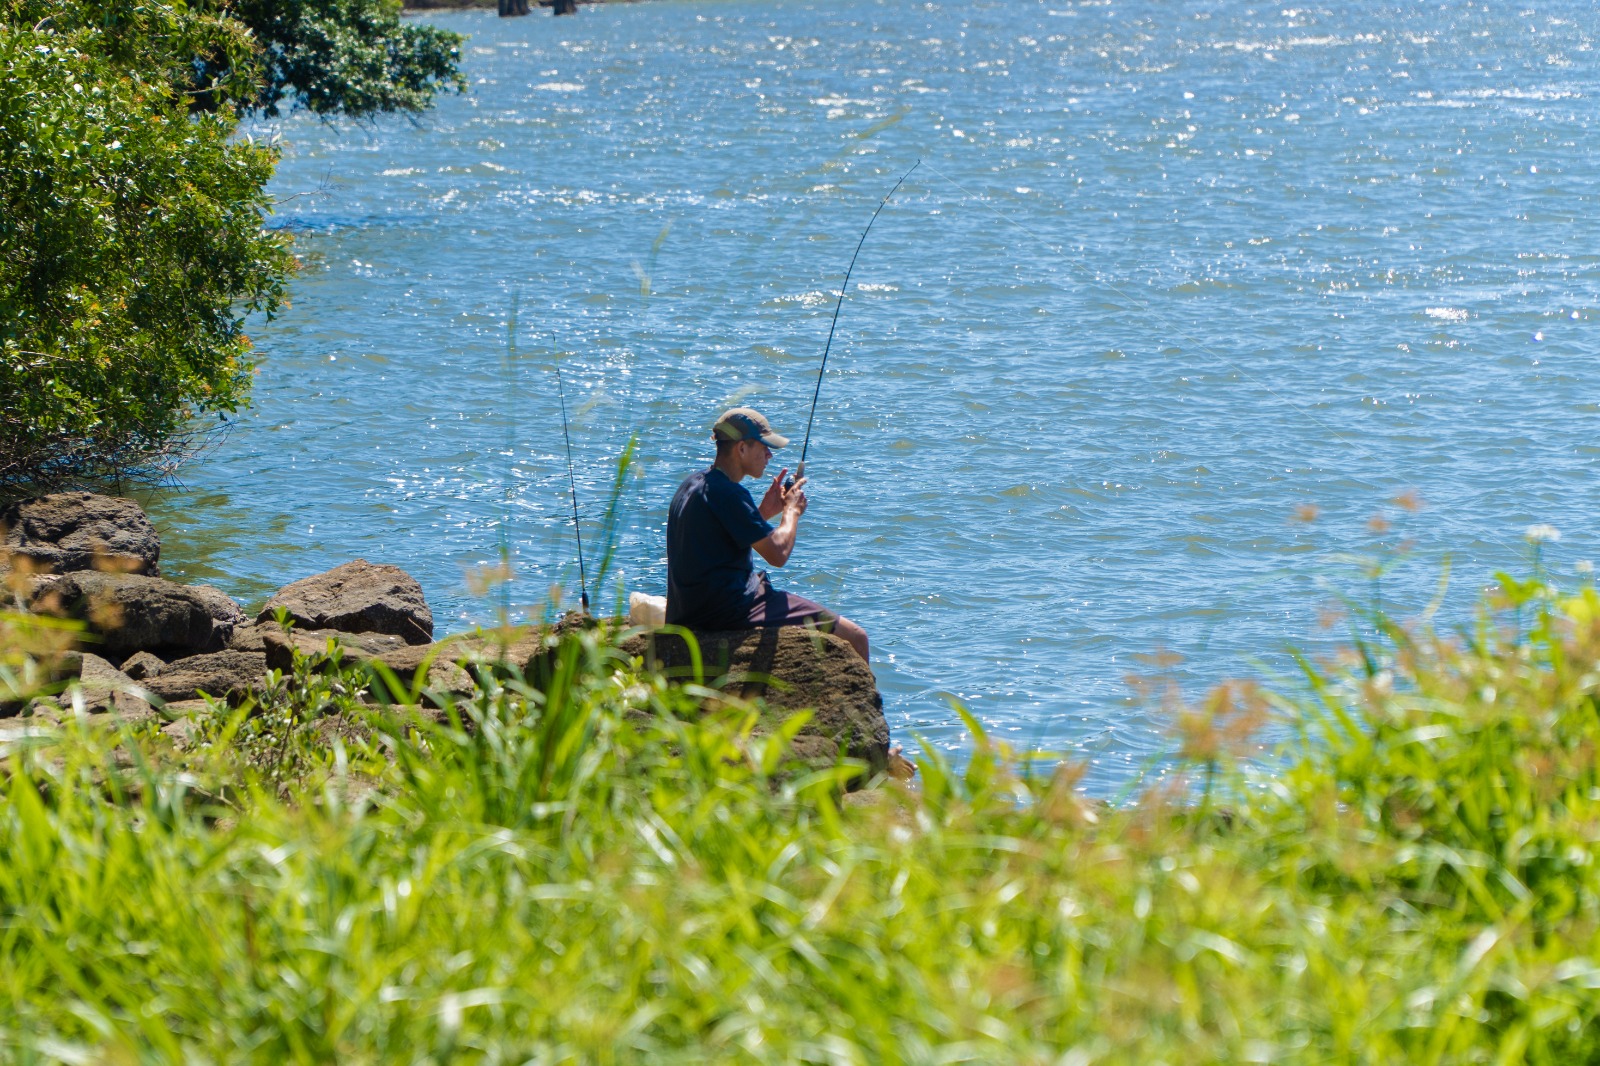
{"x": 745, "y": 440}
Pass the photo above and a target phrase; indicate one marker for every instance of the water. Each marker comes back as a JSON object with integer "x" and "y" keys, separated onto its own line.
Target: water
{"x": 1166, "y": 279}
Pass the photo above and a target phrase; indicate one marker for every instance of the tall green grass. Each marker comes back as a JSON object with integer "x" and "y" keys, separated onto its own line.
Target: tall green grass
{"x": 596, "y": 871}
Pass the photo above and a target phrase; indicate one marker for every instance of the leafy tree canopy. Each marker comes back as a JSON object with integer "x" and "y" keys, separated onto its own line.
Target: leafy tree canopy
{"x": 352, "y": 57}
{"x": 131, "y": 241}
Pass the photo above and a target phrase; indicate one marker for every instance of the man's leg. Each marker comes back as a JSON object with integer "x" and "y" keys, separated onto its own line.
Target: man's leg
{"x": 776, "y": 607}
{"x": 855, "y": 635}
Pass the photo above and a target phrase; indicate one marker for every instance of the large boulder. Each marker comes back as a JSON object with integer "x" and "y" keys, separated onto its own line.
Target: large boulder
{"x": 792, "y": 669}
{"x": 358, "y": 597}
{"x": 404, "y": 660}
{"x": 80, "y": 531}
{"x": 131, "y": 613}
{"x": 227, "y": 675}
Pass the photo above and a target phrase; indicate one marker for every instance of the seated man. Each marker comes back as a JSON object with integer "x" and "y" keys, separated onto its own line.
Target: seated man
{"x": 713, "y": 525}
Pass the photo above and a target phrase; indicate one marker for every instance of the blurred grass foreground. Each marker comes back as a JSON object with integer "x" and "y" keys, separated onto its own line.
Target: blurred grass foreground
{"x": 594, "y": 869}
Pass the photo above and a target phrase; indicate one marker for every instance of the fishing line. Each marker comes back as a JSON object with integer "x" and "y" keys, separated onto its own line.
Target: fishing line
{"x": 577, "y": 528}
{"x": 800, "y": 470}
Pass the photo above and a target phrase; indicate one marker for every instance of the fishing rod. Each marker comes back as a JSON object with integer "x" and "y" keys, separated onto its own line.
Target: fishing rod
{"x": 800, "y": 470}
{"x": 583, "y": 580}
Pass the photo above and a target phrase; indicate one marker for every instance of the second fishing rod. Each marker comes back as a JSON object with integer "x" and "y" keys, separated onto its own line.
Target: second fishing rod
{"x": 800, "y": 469}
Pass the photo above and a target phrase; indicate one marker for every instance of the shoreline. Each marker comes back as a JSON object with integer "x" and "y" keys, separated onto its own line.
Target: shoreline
{"x": 487, "y": 5}
{"x": 139, "y": 645}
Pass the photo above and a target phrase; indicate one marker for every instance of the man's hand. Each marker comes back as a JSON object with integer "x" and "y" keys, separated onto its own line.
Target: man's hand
{"x": 772, "y": 500}
{"x": 794, "y": 499}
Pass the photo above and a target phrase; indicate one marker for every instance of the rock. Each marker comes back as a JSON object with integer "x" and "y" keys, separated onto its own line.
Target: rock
{"x": 358, "y": 597}
{"x": 503, "y": 652}
{"x": 104, "y": 688}
{"x": 792, "y": 669}
{"x": 445, "y": 678}
{"x": 132, "y": 613}
{"x": 19, "y": 588}
{"x": 72, "y": 531}
{"x": 226, "y": 614}
{"x": 221, "y": 675}
{"x": 248, "y": 636}
{"x": 184, "y": 727}
{"x": 142, "y": 665}
{"x": 279, "y": 646}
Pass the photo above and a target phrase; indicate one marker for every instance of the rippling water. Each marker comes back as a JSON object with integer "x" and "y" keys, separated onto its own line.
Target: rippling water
{"x": 1168, "y": 277}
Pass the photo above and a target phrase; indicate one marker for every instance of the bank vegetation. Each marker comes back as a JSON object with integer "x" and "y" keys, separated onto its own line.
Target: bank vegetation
{"x": 599, "y": 869}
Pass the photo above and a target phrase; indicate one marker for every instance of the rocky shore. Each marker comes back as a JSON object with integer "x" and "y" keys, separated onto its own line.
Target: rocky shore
{"x": 153, "y": 649}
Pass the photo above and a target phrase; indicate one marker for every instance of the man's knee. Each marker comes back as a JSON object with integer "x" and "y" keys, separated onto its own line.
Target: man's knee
{"x": 854, "y": 634}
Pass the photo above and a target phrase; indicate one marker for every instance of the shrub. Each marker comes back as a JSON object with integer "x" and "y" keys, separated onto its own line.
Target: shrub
{"x": 131, "y": 249}
{"x": 131, "y": 241}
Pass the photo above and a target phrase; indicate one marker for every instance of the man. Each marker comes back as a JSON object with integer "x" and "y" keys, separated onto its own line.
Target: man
{"x": 712, "y": 527}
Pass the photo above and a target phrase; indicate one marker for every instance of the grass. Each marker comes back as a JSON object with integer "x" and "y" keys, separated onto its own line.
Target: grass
{"x": 598, "y": 872}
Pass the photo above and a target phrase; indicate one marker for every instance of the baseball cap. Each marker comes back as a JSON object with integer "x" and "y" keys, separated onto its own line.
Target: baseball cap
{"x": 746, "y": 423}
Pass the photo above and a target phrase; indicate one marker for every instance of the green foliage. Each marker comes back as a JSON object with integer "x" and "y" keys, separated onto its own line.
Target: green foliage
{"x": 131, "y": 249}
{"x": 350, "y": 57}
{"x": 596, "y": 870}
{"x": 131, "y": 240}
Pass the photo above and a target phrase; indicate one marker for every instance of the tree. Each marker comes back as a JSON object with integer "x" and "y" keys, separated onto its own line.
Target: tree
{"x": 350, "y": 57}
{"x": 132, "y": 248}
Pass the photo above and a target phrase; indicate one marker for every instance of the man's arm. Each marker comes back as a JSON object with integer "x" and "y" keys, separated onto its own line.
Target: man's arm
{"x": 775, "y": 547}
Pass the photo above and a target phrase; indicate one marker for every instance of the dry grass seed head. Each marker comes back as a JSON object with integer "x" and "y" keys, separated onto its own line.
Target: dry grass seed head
{"x": 1409, "y": 501}
{"x": 1222, "y": 726}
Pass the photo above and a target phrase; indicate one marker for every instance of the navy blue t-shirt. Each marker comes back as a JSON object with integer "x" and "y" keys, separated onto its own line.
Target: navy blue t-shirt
{"x": 711, "y": 582}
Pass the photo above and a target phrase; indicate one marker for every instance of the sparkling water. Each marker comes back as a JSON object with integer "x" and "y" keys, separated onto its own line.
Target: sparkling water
{"x": 1192, "y": 317}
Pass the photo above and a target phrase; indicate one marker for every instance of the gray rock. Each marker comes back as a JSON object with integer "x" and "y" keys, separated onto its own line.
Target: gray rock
{"x": 142, "y": 665}
{"x": 279, "y": 646}
{"x": 131, "y": 613}
{"x": 791, "y": 669}
{"x": 358, "y": 597}
{"x": 221, "y": 675}
{"x": 72, "y": 531}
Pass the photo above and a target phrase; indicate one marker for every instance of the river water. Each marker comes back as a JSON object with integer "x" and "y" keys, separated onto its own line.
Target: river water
{"x": 1170, "y": 281}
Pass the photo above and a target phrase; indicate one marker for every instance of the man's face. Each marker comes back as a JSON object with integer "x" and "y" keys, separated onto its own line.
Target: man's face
{"x": 756, "y": 454}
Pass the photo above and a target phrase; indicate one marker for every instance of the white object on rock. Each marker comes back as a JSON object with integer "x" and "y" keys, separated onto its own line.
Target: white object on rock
{"x": 647, "y": 610}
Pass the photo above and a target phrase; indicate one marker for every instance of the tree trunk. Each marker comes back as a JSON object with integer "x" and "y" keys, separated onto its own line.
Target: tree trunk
{"x": 508, "y": 8}
{"x": 566, "y": 7}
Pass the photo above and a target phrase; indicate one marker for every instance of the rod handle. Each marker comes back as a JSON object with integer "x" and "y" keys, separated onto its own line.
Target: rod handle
{"x": 799, "y": 472}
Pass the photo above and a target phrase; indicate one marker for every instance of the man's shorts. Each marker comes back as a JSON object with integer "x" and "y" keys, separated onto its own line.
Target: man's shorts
{"x": 775, "y": 607}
